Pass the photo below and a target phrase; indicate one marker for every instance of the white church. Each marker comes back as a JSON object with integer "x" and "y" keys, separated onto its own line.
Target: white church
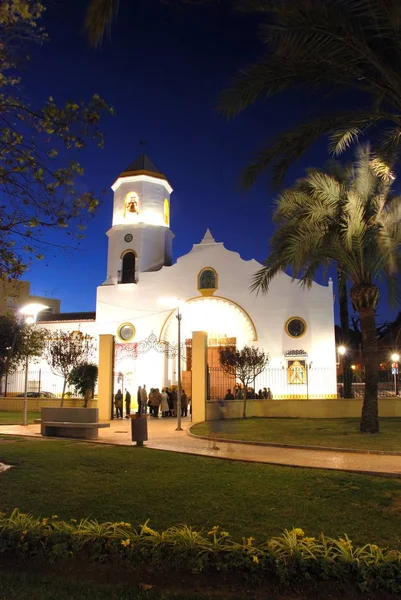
{"x": 135, "y": 323}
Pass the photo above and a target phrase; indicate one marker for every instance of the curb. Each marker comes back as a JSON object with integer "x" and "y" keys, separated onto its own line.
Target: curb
{"x": 295, "y": 446}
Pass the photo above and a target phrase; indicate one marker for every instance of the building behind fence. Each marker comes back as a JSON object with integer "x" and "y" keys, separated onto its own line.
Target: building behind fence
{"x": 39, "y": 381}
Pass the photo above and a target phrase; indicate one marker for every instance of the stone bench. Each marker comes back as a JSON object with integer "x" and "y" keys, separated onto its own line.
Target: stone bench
{"x": 80, "y": 423}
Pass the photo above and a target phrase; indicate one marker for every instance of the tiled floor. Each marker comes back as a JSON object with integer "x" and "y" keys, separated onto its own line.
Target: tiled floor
{"x": 163, "y": 436}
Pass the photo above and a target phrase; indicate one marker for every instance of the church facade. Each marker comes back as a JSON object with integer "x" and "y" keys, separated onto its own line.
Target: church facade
{"x": 138, "y": 303}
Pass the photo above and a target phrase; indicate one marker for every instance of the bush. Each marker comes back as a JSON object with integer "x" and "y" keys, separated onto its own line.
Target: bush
{"x": 288, "y": 556}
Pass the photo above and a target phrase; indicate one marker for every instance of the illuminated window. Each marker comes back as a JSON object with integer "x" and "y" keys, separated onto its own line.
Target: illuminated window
{"x": 295, "y": 327}
{"x": 166, "y": 212}
{"x": 207, "y": 281}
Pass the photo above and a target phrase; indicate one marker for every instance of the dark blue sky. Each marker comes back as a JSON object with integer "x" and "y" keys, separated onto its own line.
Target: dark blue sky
{"x": 162, "y": 72}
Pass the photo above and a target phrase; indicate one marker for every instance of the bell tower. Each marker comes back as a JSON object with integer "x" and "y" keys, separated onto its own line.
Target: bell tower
{"x": 140, "y": 238}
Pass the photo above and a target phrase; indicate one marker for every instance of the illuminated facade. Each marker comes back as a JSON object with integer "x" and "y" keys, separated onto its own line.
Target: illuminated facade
{"x": 210, "y": 285}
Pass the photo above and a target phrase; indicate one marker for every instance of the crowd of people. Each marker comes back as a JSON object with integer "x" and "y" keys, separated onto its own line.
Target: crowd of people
{"x": 265, "y": 394}
{"x": 156, "y": 401}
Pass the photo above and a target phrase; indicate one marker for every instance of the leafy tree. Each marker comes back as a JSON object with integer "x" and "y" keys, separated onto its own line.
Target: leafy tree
{"x": 67, "y": 350}
{"x": 38, "y": 184}
{"x": 356, "y": 224}
{"x": 244, "y": 364}
{"x": 18, "y": 341}
{"x": 325, "y": 47}
{"x": 83, "y": 378}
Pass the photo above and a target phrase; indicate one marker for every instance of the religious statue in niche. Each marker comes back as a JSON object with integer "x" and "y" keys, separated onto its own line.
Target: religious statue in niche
{"x": 131, "y": 203}
{"x": 207, "y": 280}
{"x": 296, "y": 372}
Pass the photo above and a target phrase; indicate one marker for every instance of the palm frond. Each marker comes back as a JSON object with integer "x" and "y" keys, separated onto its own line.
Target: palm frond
{"x": 290, "y": 146}
{"x": 341, "y": 140}
{"x": 99, "y": 18}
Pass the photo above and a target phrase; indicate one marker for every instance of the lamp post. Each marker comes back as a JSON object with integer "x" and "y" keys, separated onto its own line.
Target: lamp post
{"x": 342, "y": 350}
{"x": 30, "y": 311}
{"x": 394, "y": 369}
{"x": 179, "y": 317}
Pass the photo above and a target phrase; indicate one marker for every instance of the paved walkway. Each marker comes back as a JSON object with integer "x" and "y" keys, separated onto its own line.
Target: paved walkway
{"x": 162, "y": 436}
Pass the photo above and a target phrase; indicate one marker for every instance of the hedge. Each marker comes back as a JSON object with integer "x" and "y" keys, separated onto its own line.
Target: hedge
{"x": 287, "y": 557}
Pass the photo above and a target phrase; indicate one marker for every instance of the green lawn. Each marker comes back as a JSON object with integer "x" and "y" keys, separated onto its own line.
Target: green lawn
{"x": 15, "y": 417}
{"x": 76, "y": 479}
{"x": 338, "y": 433}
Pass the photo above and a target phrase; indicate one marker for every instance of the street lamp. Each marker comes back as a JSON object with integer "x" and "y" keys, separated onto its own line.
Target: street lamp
{"x": 394, "y": 369}
{"x": 178, "y": 303}
{"x": 30, "y": 311}
{"x": 342, "y": 350}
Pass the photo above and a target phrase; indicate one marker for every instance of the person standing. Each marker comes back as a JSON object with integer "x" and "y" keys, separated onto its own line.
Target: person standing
{"x": 184, "y": 404}
{"x": 118, "y": 403}
{"x": 127, "y": 404}
{"x": 144, "y": 399}
{"x": 170, "y": 403}
{"x": 174, "y": 403}
{"x": 164, "y": 404}
{"x": 139, "y": 400}
{"x": 154, "y": 402}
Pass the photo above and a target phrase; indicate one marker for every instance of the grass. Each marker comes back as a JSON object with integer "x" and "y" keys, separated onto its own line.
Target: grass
{"x": 24, "y": 586}
{"x": 338, "y": 433}
{"x": 15, "y": 417}
{"x": 75, "y": 479}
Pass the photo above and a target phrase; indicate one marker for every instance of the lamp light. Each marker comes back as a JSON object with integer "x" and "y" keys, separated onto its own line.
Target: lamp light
{"x": 30, "y": 311}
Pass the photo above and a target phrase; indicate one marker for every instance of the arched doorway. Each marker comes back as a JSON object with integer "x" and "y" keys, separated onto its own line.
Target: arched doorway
{"x": 224, "y": 321}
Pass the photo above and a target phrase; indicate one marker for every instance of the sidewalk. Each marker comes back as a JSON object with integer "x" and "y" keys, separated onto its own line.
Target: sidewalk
{"x": 162, "y": 436}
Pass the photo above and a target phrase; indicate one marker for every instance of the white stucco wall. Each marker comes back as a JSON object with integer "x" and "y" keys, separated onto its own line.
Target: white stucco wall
{"x": 141, "y": 304}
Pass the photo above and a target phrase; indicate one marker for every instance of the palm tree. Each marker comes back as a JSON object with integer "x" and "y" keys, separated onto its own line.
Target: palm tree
{"x": 101, "y": 14}
{"x": 355, "y": 224}
{"x": 326, "y": 47}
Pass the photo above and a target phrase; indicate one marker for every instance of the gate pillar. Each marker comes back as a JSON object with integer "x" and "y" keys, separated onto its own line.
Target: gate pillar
{"x": 199, "y": 375}
{"x": 105, "y": 383}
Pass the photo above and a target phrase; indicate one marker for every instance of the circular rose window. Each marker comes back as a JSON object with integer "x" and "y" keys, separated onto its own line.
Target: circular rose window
{"x": 126, "y": 332}
{"x": 295, "y": 327}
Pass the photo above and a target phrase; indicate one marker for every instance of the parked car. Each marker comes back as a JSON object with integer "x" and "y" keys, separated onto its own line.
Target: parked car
{"x": 37, "y": 395}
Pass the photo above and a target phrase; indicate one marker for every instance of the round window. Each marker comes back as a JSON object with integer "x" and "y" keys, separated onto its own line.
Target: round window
{"x": 128, "y": 237}
{"x": 126, "y": 332}
{"x": 295, "y": 327}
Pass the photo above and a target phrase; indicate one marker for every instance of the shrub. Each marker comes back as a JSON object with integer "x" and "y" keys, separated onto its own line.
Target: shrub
{"x": 288, "y": 556}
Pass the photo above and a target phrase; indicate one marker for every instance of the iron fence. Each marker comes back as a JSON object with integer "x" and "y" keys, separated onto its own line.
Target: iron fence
{"x": 39, "y": 381}
{"x": 313, "y": 383}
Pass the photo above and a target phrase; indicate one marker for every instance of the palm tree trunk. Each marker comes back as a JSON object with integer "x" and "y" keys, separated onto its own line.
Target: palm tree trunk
{"x": 370, "y": 413}
{"x": 345, "y": 337}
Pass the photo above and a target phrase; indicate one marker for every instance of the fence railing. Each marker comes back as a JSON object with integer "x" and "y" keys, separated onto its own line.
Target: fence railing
{"x": 39, "y": 381}
{"x": 316, "y": 382}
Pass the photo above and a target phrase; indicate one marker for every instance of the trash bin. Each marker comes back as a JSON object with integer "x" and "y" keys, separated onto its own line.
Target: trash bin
{"x": 139, "y": 429}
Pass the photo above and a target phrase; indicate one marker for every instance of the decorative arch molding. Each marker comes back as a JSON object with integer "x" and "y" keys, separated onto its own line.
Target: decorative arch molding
{"x": 242, "y": 319}
{"x": 126, "y": 252}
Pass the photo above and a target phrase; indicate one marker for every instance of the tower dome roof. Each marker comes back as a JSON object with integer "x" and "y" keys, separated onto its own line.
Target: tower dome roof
{"x": 142, "y": 166}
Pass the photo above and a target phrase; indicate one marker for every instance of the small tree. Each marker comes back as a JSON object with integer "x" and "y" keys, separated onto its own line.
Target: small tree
{"x": 17, "y": 341}
{"x": 66, "y": 350}
{"x": 245, "y": 365}
{"x": 83, "y": 378}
